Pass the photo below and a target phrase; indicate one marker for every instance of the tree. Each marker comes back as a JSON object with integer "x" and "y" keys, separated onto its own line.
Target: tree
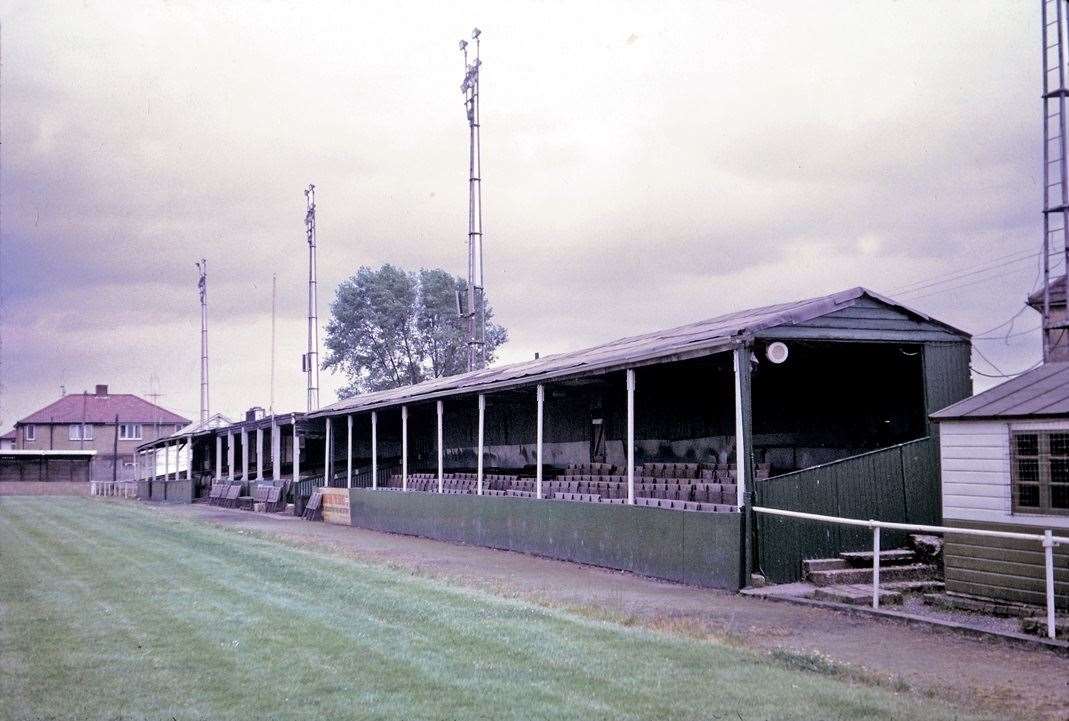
{"x": 391, "y": 327}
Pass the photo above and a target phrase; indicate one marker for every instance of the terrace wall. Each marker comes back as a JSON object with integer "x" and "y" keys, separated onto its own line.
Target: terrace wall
{"x": 699, "y": 549}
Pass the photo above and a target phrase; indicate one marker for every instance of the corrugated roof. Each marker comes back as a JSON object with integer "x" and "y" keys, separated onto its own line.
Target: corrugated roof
{"x": 701, "y": 338}
{"x": 1040, "y": 392}
{"x": 92, "y": 408}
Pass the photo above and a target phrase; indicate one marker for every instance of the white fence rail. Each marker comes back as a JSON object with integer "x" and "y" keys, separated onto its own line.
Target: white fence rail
{"x": 121, "y": 489}
{"x": 1047, "y": 539}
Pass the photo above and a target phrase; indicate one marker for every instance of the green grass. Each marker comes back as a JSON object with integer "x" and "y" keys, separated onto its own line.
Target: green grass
{"x": 114, "y": 611}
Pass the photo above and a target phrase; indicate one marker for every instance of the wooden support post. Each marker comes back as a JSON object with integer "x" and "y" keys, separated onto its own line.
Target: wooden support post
{"x": 482, "y": 426}
{"x": 630, "y": 436}
{"x": 875, "y": 566}
{"x": 404, "y": 448}
{"x": 296, "y": 453}
{"x": 189, "y": 460}
{"x": 374, "y": 449}
{"x": 441, "y": 475}
{"x": 245, "y": 454}
{"x": 744, "y": 457}
{"x": 259, "y": 453}
{"x": 276, "y": 451}
{"x": 540, "y": 401}
{"x": 328, "y": 452}
{"x": 230, "y": 455}
{"x": 349, "y": 451}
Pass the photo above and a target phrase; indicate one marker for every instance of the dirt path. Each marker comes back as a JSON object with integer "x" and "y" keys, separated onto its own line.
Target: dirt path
{"x": 1026, "y": 682}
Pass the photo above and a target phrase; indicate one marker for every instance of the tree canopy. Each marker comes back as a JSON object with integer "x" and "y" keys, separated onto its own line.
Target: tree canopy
{"x": 391, "y": 327}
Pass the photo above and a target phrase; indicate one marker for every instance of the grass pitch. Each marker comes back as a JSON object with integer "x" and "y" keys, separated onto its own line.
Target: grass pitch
{"x": 117, "y": 611}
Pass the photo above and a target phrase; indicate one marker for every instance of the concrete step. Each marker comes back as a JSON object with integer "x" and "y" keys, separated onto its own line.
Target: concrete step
{"x": 856, "y": 594}
{"x": 921, "y": 586}
{"x": 887, "y": 558}
{"x": 838, "y": 577}
{"x": 822, "y": 564}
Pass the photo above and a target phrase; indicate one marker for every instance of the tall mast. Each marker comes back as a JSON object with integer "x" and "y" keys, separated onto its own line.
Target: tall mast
{"x": 311, "y": 358}
{"x": 202, "y": 286}
{"x": 274, "y": 314}
{"x": 475, "y": 312}
{"x": 1055, "y": 180}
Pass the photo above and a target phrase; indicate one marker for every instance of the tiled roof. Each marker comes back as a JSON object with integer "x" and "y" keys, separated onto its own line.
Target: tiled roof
{"x": 92, "y": 408}
{"x": 9, "y": 436}
{"x": 1057, "y": 294}
{"x": 1042, "y": 392}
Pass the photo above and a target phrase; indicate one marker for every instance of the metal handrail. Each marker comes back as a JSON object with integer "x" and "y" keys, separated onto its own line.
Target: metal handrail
{"x": 1047, "y": 539}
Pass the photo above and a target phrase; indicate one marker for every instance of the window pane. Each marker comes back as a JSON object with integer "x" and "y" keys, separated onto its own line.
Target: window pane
{"x": 1027, "y": 470}
{"x": 1059, "y": 444}
{"x": 1059, "y": 495}
{"x": 1059, "y": 470}
{"x": 1028, "y": 496}
{"x": 1027, "y": 444}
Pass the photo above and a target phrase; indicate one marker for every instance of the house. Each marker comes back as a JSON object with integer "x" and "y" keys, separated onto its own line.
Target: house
{"x": 112, "y": 424}
{"x": 1005, "y": 467}
{"x": 7, "y": 441}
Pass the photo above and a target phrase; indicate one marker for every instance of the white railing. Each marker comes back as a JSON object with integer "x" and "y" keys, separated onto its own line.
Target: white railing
{"x": 121, "y": 489}
{"x": 1047, "y": 539}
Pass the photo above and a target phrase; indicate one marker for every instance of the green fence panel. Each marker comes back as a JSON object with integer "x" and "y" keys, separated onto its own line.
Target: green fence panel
{"x": 899, "y": 483}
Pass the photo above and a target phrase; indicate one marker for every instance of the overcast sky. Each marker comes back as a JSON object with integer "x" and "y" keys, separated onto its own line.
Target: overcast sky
{"x": 645, "y": 165}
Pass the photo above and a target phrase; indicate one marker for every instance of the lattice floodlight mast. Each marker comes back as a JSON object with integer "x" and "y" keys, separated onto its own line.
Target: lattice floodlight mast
{"x": 475, "y": 310}
{"x": 311, "y": 358}
{"x": 1055, "y": 171}
{"x": 202, "y": 287}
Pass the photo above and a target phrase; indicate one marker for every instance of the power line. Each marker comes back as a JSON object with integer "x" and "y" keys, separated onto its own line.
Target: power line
{"x": 1008, "y": 335}
{"x": 1004, "y": 375}
{"x": 977, "y": 267}
{"x": 983, "y": 279}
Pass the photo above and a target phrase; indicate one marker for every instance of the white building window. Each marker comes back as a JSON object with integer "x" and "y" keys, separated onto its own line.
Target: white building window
{"x": 80, "y": 432}
{"x": 29, "y": 433}
{"x": 129, "y": 431}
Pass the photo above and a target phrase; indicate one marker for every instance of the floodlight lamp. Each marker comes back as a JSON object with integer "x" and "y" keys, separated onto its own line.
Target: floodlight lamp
{"x": 476, "y": 33}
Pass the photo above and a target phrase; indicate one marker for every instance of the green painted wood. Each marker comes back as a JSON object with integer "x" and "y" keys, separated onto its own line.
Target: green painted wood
{"x": 696, "y": 548}
{"x": 890, "y": 484}
{"x": 1006, "y": 569}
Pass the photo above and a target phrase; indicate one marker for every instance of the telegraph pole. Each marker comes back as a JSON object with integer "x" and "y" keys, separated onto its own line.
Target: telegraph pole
{"x": 475, "y": 312}
{"x": 202, "y": 286}
{"x": 311, "y": 358}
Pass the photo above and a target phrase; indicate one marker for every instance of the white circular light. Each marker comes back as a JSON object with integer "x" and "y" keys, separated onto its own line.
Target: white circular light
{"x": 777, "y": 352}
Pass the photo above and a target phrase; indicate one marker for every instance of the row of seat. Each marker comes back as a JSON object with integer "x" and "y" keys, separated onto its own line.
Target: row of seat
{"x": 224, "y": 494}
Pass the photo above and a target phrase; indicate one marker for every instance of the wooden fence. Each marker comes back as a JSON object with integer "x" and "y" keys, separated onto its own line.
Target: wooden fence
{"x": 899, "y": 484}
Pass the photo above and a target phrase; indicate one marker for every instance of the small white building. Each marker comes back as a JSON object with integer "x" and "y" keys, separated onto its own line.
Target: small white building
{"x": 1004, "y": 457}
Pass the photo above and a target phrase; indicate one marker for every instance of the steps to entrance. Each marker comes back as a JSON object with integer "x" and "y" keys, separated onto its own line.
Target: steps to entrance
{"x": 887, "y": 558}
{"x": 856, "y": 594}
{"x": 841, "y": 576}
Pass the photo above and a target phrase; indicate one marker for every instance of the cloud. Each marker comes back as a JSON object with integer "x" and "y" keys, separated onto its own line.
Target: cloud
{"x": 643, "y": 167}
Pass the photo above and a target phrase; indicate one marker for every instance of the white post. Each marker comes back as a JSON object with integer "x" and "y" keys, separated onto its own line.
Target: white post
{"x": 440, "y": 475}
{"x": 1048, "y": 561}
{"x": 245, "y": 454}
{"x": 540, "y": 400}
{"x": 875, "y": 566}
{"x": 630, "y": 436}
{"x": 276, "y": 451}
{"x": 741, "y": 469}
{"x": 259, "y": 453}
{"x": 296, "y": 453}
{"x": 374, "y": 449}
{"x": 328, "y": 454}
{"x": 230, "y": 455}
{"x": 482, "y": 418}
{"x": 404, "y": 448}
{"x": 349, "y": 452}
{"x": 166, "y": 462}
{"x": 218, "y": 457}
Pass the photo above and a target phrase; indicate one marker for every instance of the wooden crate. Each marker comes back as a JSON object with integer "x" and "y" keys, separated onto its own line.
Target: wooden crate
{"x": 336, "y": 506}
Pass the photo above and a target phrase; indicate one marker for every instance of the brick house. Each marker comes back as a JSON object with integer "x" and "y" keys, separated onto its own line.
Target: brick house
{"x": 112, "y": 424}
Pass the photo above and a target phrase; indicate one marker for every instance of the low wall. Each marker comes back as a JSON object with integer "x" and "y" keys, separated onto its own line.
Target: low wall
{"x": 699, "y": 549}
{"x": 172, "y": 491}
{"x": 43, "y": 488}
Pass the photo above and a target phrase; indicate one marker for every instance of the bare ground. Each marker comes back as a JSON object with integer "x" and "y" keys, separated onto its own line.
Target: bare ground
{"x": 1026, "y": 682}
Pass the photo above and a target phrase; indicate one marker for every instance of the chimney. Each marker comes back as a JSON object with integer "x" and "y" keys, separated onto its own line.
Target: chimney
{"x": 102, "y": 389}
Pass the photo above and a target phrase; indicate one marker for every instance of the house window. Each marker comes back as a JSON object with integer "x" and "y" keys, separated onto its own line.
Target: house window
{"x": 29, "y": 433}
{"x": 129, "y": 431}
{"x": 1040, "y": 471}
{"x": 80, "y": 432}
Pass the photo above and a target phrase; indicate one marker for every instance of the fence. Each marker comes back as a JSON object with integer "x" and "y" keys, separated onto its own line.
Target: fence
{"x": 899, "y": 483}
{"x": 1047, "y": 539}
{"x": 120, "y": 489}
